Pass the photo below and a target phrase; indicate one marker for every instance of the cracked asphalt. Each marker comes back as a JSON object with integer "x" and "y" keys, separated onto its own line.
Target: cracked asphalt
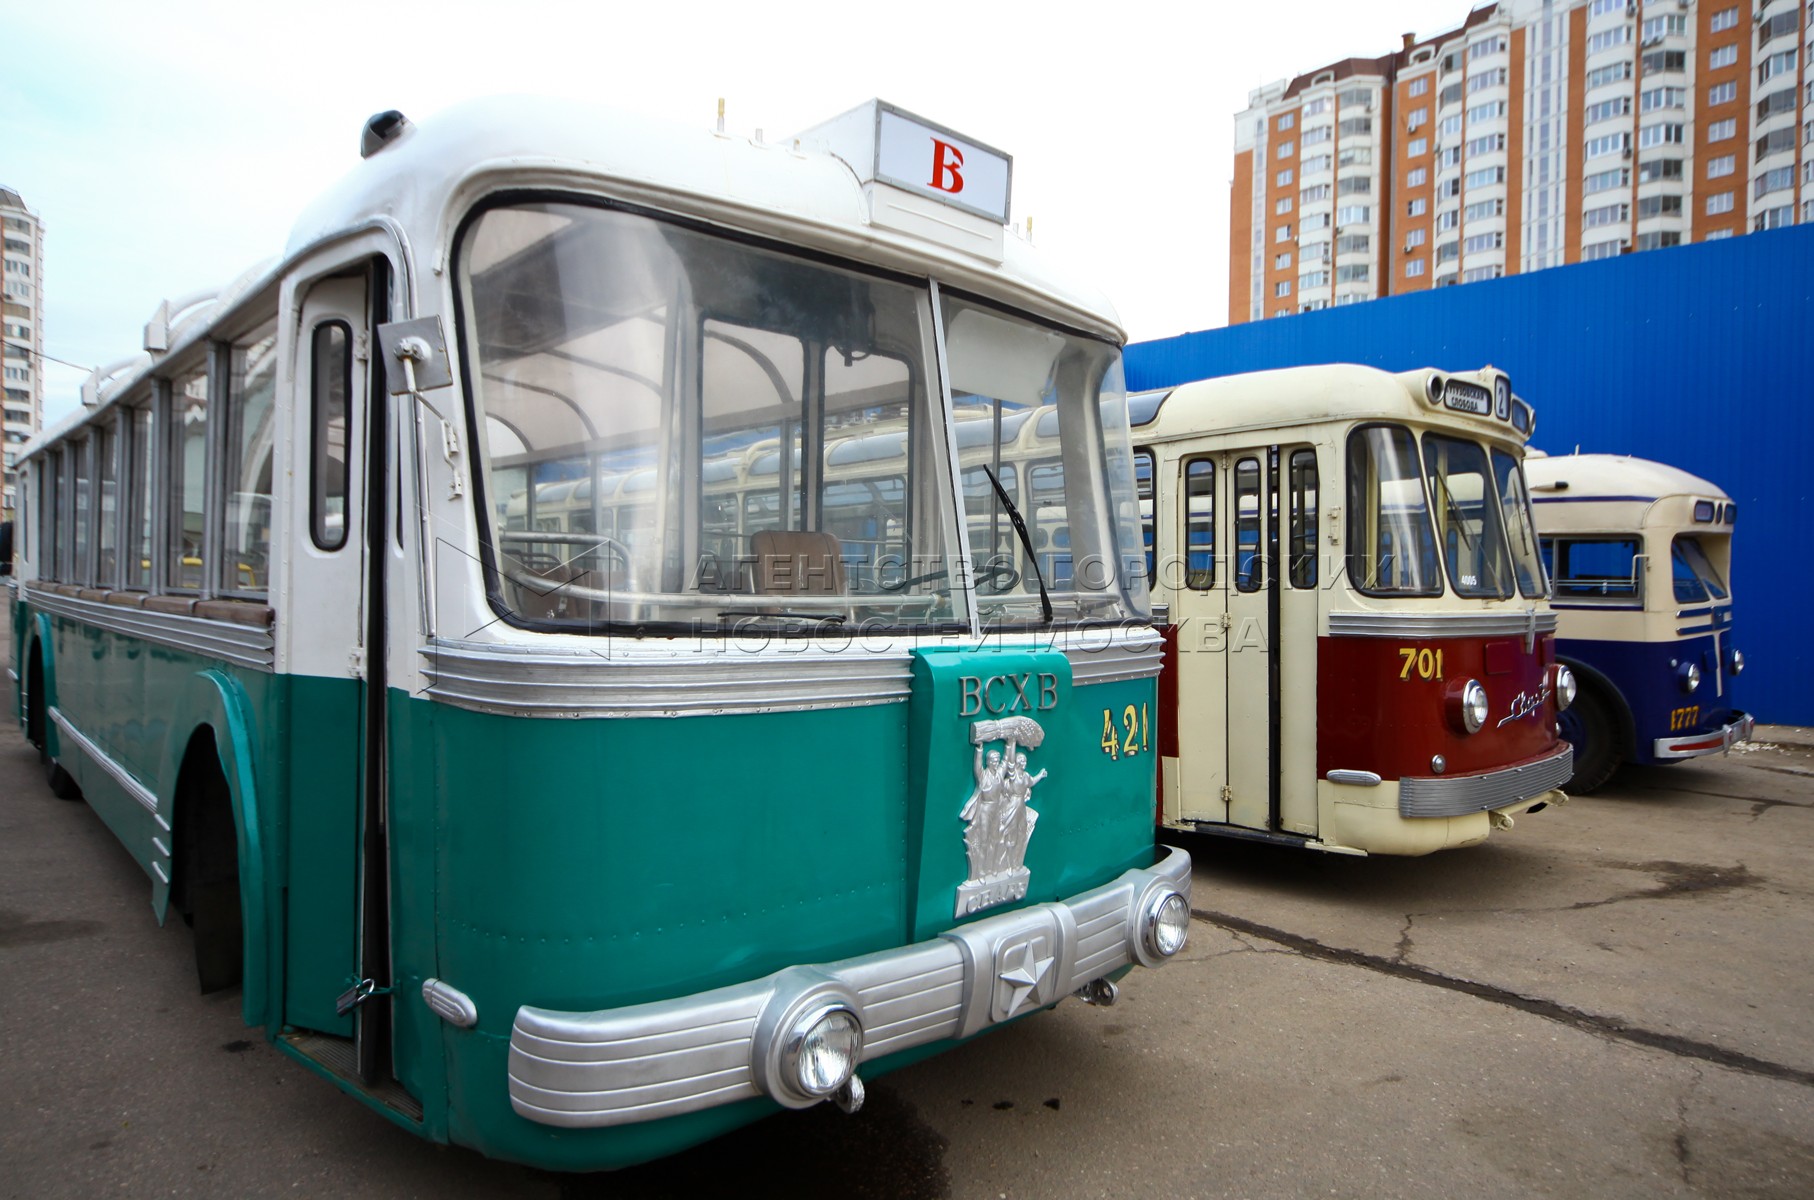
{"x": 1613, "y": 999}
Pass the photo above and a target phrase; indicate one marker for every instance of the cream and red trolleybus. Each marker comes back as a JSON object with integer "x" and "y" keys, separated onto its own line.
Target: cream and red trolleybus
{"x": 1360, "y": 656}
{"x": 1639, "y": 556}
{"x": 545, "y": 792}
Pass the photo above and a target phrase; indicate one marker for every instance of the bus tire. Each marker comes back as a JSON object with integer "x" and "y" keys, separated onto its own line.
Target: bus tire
{"x": 34, "y": 705}
{"x": 63, "y": 785}
{"x": 1591, "y": 726}
{"x": 209, "y": 900}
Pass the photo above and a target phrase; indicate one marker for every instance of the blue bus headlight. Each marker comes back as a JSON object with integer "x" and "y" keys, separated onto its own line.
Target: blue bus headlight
{"x": 1689, "y": 676}
{"x": 1735, "y": 664}
{"x": 1564, "y": 686}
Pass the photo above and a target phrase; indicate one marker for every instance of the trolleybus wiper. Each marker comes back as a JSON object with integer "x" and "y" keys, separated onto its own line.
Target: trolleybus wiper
{"x": 1026, "y": 540}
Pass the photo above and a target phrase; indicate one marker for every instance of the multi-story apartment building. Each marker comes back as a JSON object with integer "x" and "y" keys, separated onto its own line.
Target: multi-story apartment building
{"x": 1537, "y": 133}
{"x": 22, "y": 327}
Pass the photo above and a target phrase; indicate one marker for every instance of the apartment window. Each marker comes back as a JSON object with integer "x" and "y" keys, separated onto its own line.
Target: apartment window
{"x": 1773, "y": 218}
{"x": 1600, "y": 8}
{"x": 1448, "y": 251}
{"x": 1663, "y": 97}
{"x": 1485, "y": 210}
{"x": 1782, "y": 63}
{"x": 1355, "y": 185}
{"x": 1724, "y": 19}
{"x": 1775, "y": 103}
{"x": 1659, "y": 135}
{"x": 1601, "y": 250}
{"x": 1482, "y": 274}
{"x": 1721, "y": 56}
{"x": 1773, "y": 181}
{"x": 1356, "y": 156}
{"x": 1658, "y": 28}
{"x": 1282, "y": 262}
{"x": 1447, "y": 220}
{"x": 1417, "y": 147}
{"x": 1659, "y": 168}
{"x": 1775, "y": 27}
{"x": 1414, "y": 268}
{"x": 1481, "y": 80}
{"x": 1490, "y": 111}
{"x": 1714, "y": 235}
{"x": 1414, "y": 238}
{"x": 1282, "y": 288}
{"x": 1448, "y": 95}
{"x": 1609, "y": 74}
{"x": 1486, "y": 46}
{"x": 1311, "y": 195}
{"x": 1416, "y": 177}
{"x": 1287, "y": 121}
{"x": 1418, "y": 86}
{"x": 1486, "y": 145}
{"x": 1360, "y": 95}
{"x": 1317, "y": 136}
{"x": 1722, "y": 93}
{"x": 1722, "y": 166}
{"x": 1775, "y": 142}
{"x": 1285, "y": 177}
{"x": 1448, "y": 189}
{"x": 1354, "y": 273}
{"x": 1310, "y": 166}
{"x": 1318, "y": 105}
{"x": 1450, "y": 157}
{"x": 1486, "y": 177}
{"x": 1282, "y": 207}
{"x": 1659, "y": 206}
{"x": 1354, "y": 243}
{"x": 1282, "y": 234}
{"x": 1417, "y": 118}
{"x": 1313, "y": 279}
{"x": 1313, "y": 221}
{"x": 1417, "y": 208}
{"x": 1287, "y": 149}
{"x": 1659, "y": 239}
{"x": 1449, "y": 127}
{"x": 1482, "y": 242}
{"x": 1602, "y": 181}
{"x": 1612, "y": 143}
{"x": 1606, "y": 214}
{"x": 1719, "y": 131}
{"x": 1354, "y": 214}
{"x": 1658, "y": 62}
{"x": 1718, "y": 203}
{"x": 1605, "y": 110}
{"x": 1606, "y": 39}
{"x": 1355, "y": 126}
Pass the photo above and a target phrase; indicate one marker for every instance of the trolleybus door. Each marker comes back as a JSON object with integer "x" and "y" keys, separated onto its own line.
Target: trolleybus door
{"x": 333, "y": 665}
{"x": 1247, "y": 646}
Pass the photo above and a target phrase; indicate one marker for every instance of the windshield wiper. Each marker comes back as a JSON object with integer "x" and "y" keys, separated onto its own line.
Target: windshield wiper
{"x": 1026, "y": 541}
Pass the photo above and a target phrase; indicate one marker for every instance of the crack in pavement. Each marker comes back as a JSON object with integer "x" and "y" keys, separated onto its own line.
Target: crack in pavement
{"x": 1405, "y": 944}
{"x": 1593, "y": 1023}
{"x": 1683, "y": 1128}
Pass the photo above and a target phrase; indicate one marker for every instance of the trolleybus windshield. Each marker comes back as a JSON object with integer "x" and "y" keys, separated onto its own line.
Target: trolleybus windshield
{"x": 1520, "y": 526}
{"x": 1391, "y": 546}
{"x": 1696, "y": 578}
{"x": 1468, "y": 526}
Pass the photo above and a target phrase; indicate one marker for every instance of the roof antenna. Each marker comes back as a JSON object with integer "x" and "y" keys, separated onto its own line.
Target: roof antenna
{"x": 381, "y": 130}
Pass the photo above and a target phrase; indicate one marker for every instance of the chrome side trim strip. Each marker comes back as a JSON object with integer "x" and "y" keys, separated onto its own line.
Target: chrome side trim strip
{"x": 1134, "y": 654}
{"x": 242, "y": 645}
{"x": 1435, "y": 625}
{"x": 1357, "y": 778}
{"x": 614, "y": 682}
{"x": 12, "y": 676}
{"x": 1693, "y": 745}
{"x": 159, "y": 868}
{"x": 620, "y": 1066}
{"x": 1458, "y": 795}
{"x": 132, "y": 787}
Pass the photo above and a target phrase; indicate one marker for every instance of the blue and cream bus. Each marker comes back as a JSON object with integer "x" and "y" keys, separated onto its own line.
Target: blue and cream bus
{"x": 580, "y": 840}
{"x": 1640, "y": 558}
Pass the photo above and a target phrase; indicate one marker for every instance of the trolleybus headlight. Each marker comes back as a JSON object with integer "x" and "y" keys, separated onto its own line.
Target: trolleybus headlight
{"x": 1433, "y": 387}
{"x": 820, "y": 1053}
{"x": 1564, "y": 687}
{"x": 1737, "y": 665}
{"x": 1689, "y": 676}
{"x": 1167, "y": 924}
{"x": 1468, "y": 707}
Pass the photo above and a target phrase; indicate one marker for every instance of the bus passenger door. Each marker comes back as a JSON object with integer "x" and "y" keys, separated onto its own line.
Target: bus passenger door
{"x": 323, "y": 623}
{"x": 1251, "y": 516}
{"x": 1199, "y": 790}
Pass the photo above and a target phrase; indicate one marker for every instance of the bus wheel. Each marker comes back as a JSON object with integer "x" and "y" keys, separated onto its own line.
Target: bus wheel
{"x": 34, "y": 705}
{"x": 1590, "y": 726}
{"x": 210, "y": 869}
{"x": 63, "y": 785}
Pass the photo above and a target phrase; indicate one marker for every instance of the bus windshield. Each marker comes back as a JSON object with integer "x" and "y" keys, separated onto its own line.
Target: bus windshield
{"x": 1391, "y": 546}
{"x": 680, "y": 430}
{"x": 1696, "y": 578}
{"x": 1467, "y": 524}
{"x": 1520, "y": 526}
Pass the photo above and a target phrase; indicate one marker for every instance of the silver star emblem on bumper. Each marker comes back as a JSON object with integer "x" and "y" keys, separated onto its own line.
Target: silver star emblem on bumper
{"x": 1025, "y": 972}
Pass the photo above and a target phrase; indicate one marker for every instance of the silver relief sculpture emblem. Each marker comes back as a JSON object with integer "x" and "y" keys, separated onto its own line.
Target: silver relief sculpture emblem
{"x": 999, "y": 815}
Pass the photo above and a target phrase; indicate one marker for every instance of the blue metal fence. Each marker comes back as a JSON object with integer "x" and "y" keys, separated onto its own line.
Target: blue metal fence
{"x": 1699, "y": 356}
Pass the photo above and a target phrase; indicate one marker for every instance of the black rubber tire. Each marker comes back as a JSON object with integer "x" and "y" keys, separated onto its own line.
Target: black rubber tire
{"x": 34, "y": 706}
{"x": 63, "y": 785}
{"x": 1592, "y": 726}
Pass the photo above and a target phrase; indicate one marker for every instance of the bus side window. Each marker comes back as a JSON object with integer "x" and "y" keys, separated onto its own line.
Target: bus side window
{"x": 1302, "y": 475}
{"x": 330, "y": 378}
{"x": 1200, "y": 525}
{"x": 1250, "y": 562}
{"x": 1592, "y": 569}
{"x": 1143, "y": 485}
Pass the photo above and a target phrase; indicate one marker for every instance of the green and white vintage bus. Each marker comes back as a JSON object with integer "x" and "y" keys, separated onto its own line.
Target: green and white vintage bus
{"x": 580, "y": 840}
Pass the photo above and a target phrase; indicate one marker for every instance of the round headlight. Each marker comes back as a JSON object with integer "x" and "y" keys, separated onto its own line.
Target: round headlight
{"x": 1433, "y": 387}
{"x": 820, "y": 1054}
{"x": 1565, "y": 687}
{"x": 1167, "y": 924}
{"x": 1473, "y": 708}
{"x": 1738, "y": 663}
{"x": 1689, "y": 676}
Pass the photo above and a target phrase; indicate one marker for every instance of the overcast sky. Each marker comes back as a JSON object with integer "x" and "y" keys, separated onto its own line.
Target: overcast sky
{"x": 168, "y": 146}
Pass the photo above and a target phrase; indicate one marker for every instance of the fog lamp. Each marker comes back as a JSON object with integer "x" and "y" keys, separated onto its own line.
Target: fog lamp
{"x": 1689, "y": 676}
{"x": 1737, "y": 666}
{"x": 820, "y": 1053}
{"x": 1564, "y": 687}
{"x": 1167, "y": 924}
{"x": 1468, "y": 707}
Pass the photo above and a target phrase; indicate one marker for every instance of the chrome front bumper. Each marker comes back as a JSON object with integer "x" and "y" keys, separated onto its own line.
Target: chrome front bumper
{"x": 648, "y": 1061}
{"x": 1458, "y": 795}
{"x": 1694, "y": 745}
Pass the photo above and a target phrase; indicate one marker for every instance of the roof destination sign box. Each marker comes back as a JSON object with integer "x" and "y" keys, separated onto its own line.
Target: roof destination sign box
{"x": 921, "y": 177}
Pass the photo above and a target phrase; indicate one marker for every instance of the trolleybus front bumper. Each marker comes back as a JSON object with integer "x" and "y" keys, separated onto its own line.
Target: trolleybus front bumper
{"x": 1458, "y": 795}
{"x": 1693, "y": 745}
{"x": 648, "y": 1061}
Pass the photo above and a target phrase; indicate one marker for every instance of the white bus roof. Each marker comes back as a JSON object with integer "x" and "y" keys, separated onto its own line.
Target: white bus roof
{"x": 1612, "y": 477}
